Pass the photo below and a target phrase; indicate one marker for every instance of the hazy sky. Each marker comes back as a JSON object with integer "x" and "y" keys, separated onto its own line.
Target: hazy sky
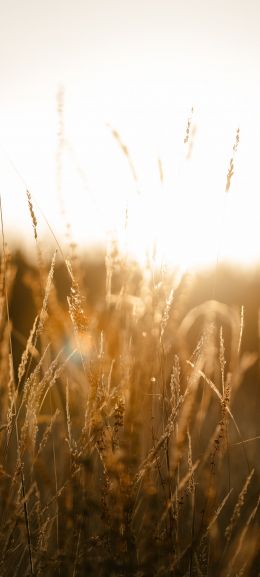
{"x": 103, "y": 45}
{"x": 138, "y": 64}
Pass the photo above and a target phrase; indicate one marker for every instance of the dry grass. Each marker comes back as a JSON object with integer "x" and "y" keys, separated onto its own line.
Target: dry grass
{"x": 119, "y": 455}
{"x": 121, "y": 452}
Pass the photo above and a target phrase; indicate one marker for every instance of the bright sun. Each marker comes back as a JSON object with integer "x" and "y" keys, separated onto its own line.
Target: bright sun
{"x": 146, "y": 187}
{"x": 139, "y": 67}
{"x": 162, "y": 190}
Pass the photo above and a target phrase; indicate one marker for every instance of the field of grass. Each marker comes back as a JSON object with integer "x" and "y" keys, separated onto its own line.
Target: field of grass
{"x": 126, "y": 430}
{"x": 128, "y": 416}
{"x": 129, "y": 370}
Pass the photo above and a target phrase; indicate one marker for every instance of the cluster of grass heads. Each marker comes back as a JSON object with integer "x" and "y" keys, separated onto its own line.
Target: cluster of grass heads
{"x": 120, "y": 450}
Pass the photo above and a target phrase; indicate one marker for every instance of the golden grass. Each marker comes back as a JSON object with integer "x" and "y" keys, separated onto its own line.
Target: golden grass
{"x": 112, "y": 464}
{"x": 121, "y": 452}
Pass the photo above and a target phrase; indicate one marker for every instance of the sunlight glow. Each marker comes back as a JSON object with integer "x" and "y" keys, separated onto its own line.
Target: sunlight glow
{"x": 158, "y": 196}
{"x": 138, "y": 74}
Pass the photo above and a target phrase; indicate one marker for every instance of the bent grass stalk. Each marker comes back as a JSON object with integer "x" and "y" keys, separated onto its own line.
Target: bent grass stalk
{"x": 26, "y": 517}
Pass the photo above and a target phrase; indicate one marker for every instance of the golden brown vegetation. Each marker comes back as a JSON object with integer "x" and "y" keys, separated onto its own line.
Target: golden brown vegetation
{"x": 120, "y": 450}
{"x": 121, "y": 446}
